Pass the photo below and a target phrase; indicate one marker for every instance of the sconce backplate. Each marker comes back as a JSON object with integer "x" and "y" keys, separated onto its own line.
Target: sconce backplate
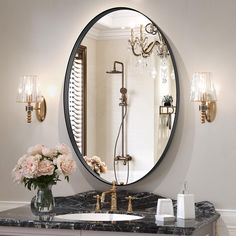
{"x": 211, "y": 111}
{"x": 41, "y": 109}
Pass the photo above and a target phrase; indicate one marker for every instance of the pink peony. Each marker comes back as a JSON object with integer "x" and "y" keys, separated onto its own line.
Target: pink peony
{"x": 17, "y": 174}
{"x": 45, "y": 167}
{"x": 96, "y": 164}
{"x": 37, "y": 149}
{"x": 89, "y": 162}
{"x": 63, "y": 149}
{"x": 42, "y": 166}
{"x": 30, "y": 166}
{"x": 66, "y": 165}
{"x": 49, "y": 152}
{"x": 21, "y": 160}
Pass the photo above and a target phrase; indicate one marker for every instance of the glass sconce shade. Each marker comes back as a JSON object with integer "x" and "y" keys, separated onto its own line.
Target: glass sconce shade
{"x": 202, "y": 88}
{"x": 203, "y": 91}
{"x": 28, "y": 90}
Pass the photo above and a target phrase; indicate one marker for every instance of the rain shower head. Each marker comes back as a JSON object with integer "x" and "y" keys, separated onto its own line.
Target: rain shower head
{"x": 114, "y": 72}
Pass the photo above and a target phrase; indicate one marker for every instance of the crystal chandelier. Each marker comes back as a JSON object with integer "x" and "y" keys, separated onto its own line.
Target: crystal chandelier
{"x": 140, "y": 45}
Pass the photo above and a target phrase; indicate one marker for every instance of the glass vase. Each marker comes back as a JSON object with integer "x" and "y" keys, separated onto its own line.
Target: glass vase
{"x": 44, "y": 200}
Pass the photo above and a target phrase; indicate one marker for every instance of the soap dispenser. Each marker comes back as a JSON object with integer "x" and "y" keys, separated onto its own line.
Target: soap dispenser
{"x": 185, "y": 204}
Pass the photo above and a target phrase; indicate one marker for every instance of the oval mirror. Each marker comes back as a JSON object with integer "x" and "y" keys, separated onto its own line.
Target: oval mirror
{"x": 121, "y": 96}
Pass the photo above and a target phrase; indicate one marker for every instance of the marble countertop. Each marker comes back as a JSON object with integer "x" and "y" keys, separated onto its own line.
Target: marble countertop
{"x": 144, "y": 204}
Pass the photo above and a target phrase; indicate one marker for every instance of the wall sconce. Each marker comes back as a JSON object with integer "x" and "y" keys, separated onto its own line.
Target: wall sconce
{"x": 203, "y": 91}
{"x": 28, "y": 92}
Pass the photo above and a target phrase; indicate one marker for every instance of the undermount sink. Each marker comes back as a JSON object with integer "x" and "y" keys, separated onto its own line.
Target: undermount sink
{"x": 98, "y": 217}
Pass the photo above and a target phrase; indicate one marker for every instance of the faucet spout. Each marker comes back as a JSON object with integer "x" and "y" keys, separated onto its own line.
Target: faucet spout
{"x": 113, "y": 193}
{"x": 103, "y": 195}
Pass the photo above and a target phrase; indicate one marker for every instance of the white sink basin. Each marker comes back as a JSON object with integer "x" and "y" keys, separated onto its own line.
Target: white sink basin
{"x": 98, "y": 217}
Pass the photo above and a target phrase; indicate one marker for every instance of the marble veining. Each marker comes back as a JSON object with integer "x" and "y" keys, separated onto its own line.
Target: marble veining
{"x": 144, "y": 204}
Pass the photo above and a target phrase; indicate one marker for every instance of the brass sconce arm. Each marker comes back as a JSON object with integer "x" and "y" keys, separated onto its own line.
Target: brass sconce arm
{"x": 29, "y": 108}
{"x": 208, "y": 111}
{"x": 40, "y": 109}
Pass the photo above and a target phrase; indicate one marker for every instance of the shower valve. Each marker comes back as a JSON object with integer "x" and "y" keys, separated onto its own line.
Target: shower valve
{"x": 125, "y": 159}
{"x": 123, "y": 100}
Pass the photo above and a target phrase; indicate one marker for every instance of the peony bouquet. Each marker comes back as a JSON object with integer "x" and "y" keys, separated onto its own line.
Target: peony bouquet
{"x": 96, "y": 164}
{"x": 42, "y": 166}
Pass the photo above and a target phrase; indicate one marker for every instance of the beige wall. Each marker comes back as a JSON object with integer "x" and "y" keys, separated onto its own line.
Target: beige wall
{"x": 37, "y": 38}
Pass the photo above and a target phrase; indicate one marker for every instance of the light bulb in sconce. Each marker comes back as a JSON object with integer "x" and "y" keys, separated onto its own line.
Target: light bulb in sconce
{"x": 28, "y": 92}
{"x": 203, "y": 91}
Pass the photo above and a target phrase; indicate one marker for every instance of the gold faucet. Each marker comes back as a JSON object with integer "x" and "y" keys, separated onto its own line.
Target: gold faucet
{"x": 130, "y": 207}
{"x": 98, "y": 205}
{"x": 113, "y": 193}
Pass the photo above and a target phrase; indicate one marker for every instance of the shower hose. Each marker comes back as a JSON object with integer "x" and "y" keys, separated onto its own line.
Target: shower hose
{"x": 115, "y": 162}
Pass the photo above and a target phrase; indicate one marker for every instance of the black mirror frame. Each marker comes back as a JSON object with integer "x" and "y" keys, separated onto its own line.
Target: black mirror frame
{"x": 66, "y": 91}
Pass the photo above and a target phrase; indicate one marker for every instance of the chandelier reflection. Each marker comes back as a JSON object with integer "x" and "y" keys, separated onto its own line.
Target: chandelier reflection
{"x": 140, "y": 45}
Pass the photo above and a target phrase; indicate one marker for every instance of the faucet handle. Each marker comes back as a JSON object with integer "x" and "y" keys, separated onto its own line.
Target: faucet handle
{"x": 130, "y": 207}
{"x": 98, "y": 205}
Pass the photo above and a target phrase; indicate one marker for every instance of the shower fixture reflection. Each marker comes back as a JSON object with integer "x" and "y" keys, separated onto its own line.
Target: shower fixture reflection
{"x": 126, "y": 158}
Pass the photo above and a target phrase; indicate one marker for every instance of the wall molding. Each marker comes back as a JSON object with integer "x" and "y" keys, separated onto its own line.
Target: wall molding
{"x": 5, "y": 205}
{"x": 96, "y": 34}
{"x": 226, "y": 225}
